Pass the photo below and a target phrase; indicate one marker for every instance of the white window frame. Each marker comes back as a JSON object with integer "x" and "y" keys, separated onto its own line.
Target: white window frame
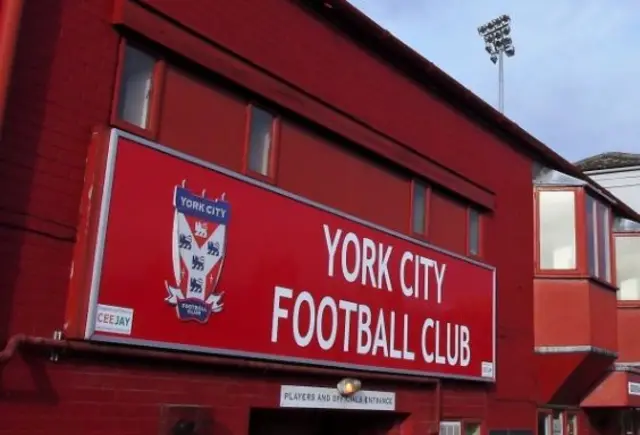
{"x": 451, "y": 428}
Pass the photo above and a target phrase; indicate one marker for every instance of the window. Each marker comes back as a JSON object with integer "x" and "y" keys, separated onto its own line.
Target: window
{"x": 136, "y": 80}
{"x": 544, "y": 423}
{"x": 629, "y": 421}
{"x": 623, "y": 225}
{"x": 450, "y": 428}
{"x": 261, "y": 141}
{"x": 598, "y": 228}
{"x": 627, "y": 266}
{"x": 472, "y": 428}
{"x": 474, "y": 232}
{"x": 419, "y": 208}
{"x": 572, "y": 424}
{"x": 557, "y": 423}
{"x": 557, "y": 230}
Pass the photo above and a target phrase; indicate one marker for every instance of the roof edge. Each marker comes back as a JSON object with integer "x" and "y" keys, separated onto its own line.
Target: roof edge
{"x": 360, "y": 28}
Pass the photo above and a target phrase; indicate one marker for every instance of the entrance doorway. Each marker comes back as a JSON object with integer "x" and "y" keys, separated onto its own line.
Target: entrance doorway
{"x": 322, "y": 422}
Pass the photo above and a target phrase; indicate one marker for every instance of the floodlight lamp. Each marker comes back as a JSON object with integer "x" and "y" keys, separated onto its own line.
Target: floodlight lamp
{"x": 494, "y": 58}
{"x": 507, "y": 41}
{"x": 489, "y": 48}
{"x": 510, "y": 51}
{"x": 506, "y": 30}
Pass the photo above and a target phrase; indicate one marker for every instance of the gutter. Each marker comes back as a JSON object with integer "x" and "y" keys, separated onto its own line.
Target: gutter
{"x": 10, "y": 16}
{"x": 593, "y": 172}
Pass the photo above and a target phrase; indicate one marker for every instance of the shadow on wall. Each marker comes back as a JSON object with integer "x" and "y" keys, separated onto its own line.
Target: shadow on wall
{"x": 20, "y": 164}
{"x": 21, "y": 160}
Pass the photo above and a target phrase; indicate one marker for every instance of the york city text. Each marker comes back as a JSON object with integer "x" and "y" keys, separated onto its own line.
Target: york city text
{"x": 328, "y": 322}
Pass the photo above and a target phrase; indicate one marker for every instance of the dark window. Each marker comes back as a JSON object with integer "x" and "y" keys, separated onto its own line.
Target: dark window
{"x": 599, "y": 239}
{"x": 474, "y": 231}
{"x": 419, "y": 208}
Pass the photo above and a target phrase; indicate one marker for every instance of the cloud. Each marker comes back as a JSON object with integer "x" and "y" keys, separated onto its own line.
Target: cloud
{"x": 574, "y": 81}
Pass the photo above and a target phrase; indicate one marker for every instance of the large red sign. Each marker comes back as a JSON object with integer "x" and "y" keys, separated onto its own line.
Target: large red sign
{"x": 190, "y": 256}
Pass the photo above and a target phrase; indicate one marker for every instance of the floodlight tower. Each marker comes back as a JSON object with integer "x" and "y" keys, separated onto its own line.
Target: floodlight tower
{"x": 498, "y": 43}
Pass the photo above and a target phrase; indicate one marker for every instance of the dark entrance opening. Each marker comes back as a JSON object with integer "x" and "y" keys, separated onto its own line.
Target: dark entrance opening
{"x": 322, "y": 422}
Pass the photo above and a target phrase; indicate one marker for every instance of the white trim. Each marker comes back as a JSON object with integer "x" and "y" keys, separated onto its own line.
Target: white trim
{"x": 101, "y": 234}
{"x": 575, "y": 349}
{"x": 612, "y": 170}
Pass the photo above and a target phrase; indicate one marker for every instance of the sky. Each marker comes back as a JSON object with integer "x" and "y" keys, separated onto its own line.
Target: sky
{"x": 574, "y": 82}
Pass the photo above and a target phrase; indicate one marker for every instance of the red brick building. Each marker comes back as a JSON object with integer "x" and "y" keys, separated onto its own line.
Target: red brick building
{"x": 306, "y": 116}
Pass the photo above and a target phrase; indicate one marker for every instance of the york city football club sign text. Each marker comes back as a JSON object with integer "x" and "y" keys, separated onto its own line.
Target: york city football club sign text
{"x": 235, "y": 267}
{"x": 362, "y": 261}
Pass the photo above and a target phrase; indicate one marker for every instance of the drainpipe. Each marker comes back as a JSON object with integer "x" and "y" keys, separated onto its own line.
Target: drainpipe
{"x": 10, "y": 15}
{"x": 437, "y": 408}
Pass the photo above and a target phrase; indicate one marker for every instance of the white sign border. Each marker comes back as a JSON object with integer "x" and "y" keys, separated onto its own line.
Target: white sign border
{"x": 96, "y": 268}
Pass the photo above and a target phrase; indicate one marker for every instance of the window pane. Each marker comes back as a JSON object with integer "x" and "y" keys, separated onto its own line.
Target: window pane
{"x": 419, "y": 207}
{"x": 471, "y": 429}
{"x": 625, "y": 225}
{"x": 572, "y": 424}
{"x": 260, "y": 140}
{"x": 628, "y": 267}
{"x": 592, "y": 236}
{"x": 604, "y": 253}
{"x": 450, "y": 428}
{"x": 557, "y": 423}
{"x": 474, "y": 232}
{"x": 557, "y": 230}
{"x": 543, "y": 423}
{"x": 135, "y": 87}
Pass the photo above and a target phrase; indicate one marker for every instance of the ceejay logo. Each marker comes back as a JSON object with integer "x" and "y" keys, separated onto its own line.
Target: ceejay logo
{"x": 199, "y": 248}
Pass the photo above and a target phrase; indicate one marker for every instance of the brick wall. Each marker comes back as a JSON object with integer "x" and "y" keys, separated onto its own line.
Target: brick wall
{"x": 61, "y": 89}
{"x": 83, "y": 396}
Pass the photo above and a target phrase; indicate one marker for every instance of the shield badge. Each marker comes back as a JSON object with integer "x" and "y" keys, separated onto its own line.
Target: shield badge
{"x": 198, "y": 249}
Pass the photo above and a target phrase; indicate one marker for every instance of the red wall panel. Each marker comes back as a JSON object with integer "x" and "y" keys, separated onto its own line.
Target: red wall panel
{"x": 333, "y": 175}
{"x": 590, "y": 321}
{"x": 203, "y": 120}
{"x": 628, "y": 318}
{"x": 447, "y": 222}
{"x": 603, "y": 312}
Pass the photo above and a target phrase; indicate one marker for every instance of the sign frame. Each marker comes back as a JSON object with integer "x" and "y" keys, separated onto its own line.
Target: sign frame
{"x": 82, "y": 314}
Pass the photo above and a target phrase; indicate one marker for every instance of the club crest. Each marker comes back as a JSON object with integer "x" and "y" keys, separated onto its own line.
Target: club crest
{"x": 199, "y": 246}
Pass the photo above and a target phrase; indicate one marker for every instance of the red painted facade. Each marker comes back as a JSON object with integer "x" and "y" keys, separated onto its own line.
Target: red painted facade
{"x": 583, "y": 333}
{"x": 339, "y": 138}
